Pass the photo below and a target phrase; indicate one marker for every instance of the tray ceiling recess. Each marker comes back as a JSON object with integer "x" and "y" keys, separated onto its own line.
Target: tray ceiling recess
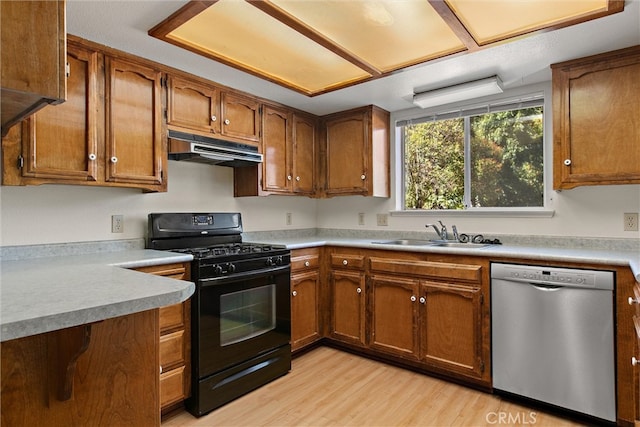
{"x": 318, "y": 46}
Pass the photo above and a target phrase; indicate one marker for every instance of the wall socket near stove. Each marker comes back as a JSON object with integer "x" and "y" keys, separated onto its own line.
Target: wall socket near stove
{"x": 631, "y": 221}
{"x": 117, "y": 223}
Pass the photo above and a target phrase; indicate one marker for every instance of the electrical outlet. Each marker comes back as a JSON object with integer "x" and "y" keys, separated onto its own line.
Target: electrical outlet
{"x": 289, "y": 218}
{"x": 382, "y": 219}
{"x": 117, "y": 223}
{"x": 361, "y": 218}
{"x": 631, "y": 221}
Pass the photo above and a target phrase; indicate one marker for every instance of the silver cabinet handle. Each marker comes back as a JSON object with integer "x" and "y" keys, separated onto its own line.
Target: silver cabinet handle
{"x": 92, "y": 156}
{"x": 358, "y": 290}
{"x": 114, "y": 159}
{"x": 214, "y": 118}
{"x": 160, "y": 369}
{"x": 297, "y": 178}
{"x": 288, "y": 177}
{"x": 307, "y": 263}
{"x": 413, "y": 298}
{"x": 363, "y": 177}
{"x": 632, "y": 301}
{"x": 227, "y": 121}
{"x": 634, "y": 361}
{"x": 423, "y": 300}
{"x": 567, "y": 162}
{"x": 345, "y": 262}
{"x": 294, "y": 293}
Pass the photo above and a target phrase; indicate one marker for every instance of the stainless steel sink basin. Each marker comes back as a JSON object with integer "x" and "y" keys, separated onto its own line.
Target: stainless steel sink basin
{"x": 406, "y": 242}
{"x": 459, "y": 245}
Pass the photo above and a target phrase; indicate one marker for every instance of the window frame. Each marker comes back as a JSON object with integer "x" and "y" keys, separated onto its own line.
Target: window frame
{"x": 525, "y": 94}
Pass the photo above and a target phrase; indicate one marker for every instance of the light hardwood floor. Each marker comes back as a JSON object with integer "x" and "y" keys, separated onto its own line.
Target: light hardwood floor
{"x": 328, "y": 387}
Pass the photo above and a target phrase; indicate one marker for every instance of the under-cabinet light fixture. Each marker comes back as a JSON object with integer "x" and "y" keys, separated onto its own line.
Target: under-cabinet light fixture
{"x": 461, "y": 92}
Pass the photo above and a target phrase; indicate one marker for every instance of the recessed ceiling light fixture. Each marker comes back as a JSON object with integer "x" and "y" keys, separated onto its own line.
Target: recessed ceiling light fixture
{"x": 460, "y": 92}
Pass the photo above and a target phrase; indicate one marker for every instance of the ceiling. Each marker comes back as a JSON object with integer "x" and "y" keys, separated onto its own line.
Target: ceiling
{"x": 124, "y": 25}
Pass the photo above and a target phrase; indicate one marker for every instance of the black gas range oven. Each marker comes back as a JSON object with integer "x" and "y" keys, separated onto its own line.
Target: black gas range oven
{"x": 240, "y": 311}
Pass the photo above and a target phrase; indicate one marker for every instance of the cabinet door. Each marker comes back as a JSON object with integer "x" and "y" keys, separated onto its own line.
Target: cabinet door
{"x": 135, "y": 150}
{"x": 348, "y": 306}
{"x": 240, "y": 117}
{"x": 304, "y": 159}
{"x": 305, "y": 326}
{"x": 61, "y": 142}
{"x": 394, "y": 311}
{"x": 276, "y": 147}
{"x": 347, "y": 154}
{"x": 596, "y": 121}
{"x": 452, "y": 328}
{"x": 193, "y": 105}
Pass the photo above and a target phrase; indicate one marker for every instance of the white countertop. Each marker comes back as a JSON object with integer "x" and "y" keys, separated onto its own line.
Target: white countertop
{"x": 45, "y": 294}
{"x": 593, "y": 256}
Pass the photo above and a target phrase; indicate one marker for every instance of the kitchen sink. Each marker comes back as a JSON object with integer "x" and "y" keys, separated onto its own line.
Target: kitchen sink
{"x": 406, "y": 242}
{"x": 459, "y": 245}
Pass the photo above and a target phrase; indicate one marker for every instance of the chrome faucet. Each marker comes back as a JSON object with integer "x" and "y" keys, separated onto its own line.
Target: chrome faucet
{"x": 442, "y": 232}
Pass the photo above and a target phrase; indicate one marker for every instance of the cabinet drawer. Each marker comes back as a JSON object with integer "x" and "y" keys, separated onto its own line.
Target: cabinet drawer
{"x": 172, "y": 317}
{"x": 428, "y": 269}
{"x": 172, "y": 349}
{"x": 172, "y": 386}
{"x": 175, "y": 271}
{"x": 305, "y": 262}
{"x": 355, "y": 262}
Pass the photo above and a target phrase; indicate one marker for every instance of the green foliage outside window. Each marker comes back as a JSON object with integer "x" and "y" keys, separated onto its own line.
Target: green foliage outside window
{"x": 505, "y": 170}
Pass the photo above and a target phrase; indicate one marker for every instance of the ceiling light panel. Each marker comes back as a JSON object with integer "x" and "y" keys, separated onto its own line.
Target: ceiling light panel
{"x": 387, "y": 34}
{"x": 494, "y": 20}
{"x": 243, "y": 36}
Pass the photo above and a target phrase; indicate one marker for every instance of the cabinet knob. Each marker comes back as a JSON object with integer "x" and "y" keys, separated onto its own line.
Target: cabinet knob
{"x": 423, "y": 300}
{"x": 632, "y": 301}
{"x": 288, "y": 177}
{"x": 214, "y": 118}
{"x": 363, "y": 177}
{"x": 294, "y": 293}
{"x": 413, "y": 298}
{"x": 345, "y": 262}
{"x": 161, "y": 369}
{"x": 359, "y": 290}
{"x": 227, "y": 121}
{"x": 307, "y": 263}
{"x": 114, "y": 159}
{"x": 567, "y": 162}
{"x": 92, "y": 156}
{"x": 634, "y": 361}
{"x": 297, "y": 178}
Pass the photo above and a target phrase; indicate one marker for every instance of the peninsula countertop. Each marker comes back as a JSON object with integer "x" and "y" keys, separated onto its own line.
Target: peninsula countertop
{"x": 45, "y": 294}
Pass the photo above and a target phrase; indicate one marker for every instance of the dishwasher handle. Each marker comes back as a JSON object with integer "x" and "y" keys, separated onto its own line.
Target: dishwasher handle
{"x": 546, "y": 288}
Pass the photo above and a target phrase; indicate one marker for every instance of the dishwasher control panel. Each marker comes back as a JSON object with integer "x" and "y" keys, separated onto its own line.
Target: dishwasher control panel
{"x": 553, "y": 275}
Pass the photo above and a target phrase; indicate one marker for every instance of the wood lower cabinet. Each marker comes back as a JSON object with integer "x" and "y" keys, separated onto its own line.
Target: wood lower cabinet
{"x": 32, "y": 53}
{"x": 596, "y": 125}
{"x": 174, "y": 336}
{"x": 347, "y": 298}
{"x": 107, "y": 133}
{"x": 305, "y": 298}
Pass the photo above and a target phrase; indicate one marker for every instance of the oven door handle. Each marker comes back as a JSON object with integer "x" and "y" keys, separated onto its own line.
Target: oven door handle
{"x": 269, "y": 271}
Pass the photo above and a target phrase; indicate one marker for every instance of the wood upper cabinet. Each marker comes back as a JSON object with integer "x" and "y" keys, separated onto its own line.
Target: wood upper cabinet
{"x": 193, "y": 105}
{"x": 304, "y": 154}
{"x": 596, "y": 124}
{"x": 355, "y": 153}
{"x": 276, "y": 148}
{"x": 240, "y": 116}
{"x": 305, "y": 297}
{"x": 62, "y": 142}
{"x": 135, "y": 146}
{"x": 108, "y": 132}
{"x": 32, "y": 61}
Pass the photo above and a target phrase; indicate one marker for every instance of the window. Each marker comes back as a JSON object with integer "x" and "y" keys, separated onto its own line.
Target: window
{"x": 489, "y": 157}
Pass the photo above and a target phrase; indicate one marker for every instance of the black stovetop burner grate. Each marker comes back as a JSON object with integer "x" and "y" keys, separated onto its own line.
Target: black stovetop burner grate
{"x": 229, "y": 249}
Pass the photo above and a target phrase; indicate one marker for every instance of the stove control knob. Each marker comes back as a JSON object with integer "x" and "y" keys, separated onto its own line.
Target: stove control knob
{"x": 269, "y": 261}
{"x": 231, "y": 268}
{"x": 279, "y": 260}
{"x": 218, "y": 269}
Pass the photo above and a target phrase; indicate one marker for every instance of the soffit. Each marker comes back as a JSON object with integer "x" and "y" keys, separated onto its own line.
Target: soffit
{"x": 317, "y": 46}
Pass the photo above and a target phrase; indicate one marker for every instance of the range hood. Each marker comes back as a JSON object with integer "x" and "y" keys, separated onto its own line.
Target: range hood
{"x": 212, "y": 151}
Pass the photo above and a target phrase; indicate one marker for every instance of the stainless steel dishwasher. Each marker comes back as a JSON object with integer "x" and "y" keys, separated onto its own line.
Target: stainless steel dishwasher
{"x": 552, "y": 336}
